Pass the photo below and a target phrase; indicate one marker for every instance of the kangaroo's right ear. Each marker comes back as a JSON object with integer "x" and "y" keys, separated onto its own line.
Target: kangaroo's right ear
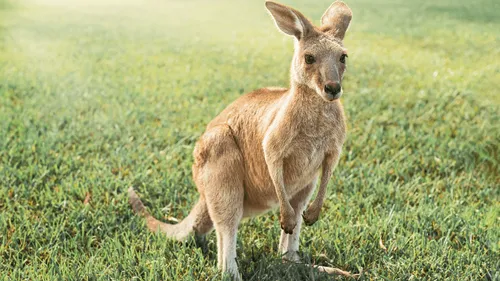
{"x": 336, "y": 19}
{"x": 289, "y": 20}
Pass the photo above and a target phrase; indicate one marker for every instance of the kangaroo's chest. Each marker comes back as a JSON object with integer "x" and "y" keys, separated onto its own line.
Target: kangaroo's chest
{"x": 303, "y": 159}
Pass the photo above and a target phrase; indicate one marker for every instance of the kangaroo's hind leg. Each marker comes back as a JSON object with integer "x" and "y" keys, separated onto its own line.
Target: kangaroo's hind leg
{"x": 218, "y": 172}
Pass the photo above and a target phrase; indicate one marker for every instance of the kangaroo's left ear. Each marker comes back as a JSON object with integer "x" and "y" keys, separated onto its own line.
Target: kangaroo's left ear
{"x": 336, "y": 19}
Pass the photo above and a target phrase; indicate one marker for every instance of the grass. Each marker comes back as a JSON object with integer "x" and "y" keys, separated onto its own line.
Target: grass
{"x": 100, "y": 96}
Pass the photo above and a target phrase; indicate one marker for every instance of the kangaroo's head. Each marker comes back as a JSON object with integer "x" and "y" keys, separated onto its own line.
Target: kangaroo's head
{"x": 319, "y": 61}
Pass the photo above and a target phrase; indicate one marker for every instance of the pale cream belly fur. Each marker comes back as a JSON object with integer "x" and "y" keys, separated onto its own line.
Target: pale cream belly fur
{"x": 295, "y": 181}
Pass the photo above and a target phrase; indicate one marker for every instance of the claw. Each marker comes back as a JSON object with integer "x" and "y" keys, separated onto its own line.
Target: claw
{"x": 288, "y": 230}
{"x": 308, "y": 220}
{"x": 288, "y": 221}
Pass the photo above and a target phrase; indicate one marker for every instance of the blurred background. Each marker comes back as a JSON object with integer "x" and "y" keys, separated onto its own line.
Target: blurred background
{"x": 96, "y": 96}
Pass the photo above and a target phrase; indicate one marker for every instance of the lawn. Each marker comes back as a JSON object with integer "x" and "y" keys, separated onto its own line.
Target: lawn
{"x": 97, "y": 96}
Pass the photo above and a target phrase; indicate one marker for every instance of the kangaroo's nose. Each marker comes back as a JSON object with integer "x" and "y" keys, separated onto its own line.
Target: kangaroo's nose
{"x": 332, "y": 88}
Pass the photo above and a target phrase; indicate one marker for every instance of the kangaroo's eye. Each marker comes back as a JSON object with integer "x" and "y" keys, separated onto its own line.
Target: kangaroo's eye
{"x": 342, "y": 58}
{"x": 310, "y": 59}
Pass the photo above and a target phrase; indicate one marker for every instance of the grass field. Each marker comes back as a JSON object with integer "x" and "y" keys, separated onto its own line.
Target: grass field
{"x": 101, "y": 96}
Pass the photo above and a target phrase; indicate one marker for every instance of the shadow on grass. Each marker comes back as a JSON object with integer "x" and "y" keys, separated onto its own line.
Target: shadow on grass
{"x": 270, "y": 268}
{"x": 261, "y": 265}
{"x": 267, "y": 266}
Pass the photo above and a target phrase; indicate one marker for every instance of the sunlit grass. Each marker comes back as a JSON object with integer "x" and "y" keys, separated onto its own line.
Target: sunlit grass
{"x": 96, "y": 96}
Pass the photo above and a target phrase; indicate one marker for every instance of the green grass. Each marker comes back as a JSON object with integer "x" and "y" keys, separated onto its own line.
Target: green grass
{"x": 100, "y": 96}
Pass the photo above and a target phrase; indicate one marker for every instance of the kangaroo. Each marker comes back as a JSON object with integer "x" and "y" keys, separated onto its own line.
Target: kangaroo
{"x": 267, "y": 148}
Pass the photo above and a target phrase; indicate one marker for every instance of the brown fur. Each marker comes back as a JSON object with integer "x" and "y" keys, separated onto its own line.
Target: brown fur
{"x": 268, "y": 147}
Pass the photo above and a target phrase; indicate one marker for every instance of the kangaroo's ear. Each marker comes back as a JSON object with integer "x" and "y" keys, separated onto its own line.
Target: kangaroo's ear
{"x": 336, "y": 19}
{"x": 289, "y": 20}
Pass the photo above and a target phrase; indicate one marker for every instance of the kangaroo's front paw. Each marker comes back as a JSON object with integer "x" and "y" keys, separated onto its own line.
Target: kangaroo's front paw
{"x": 288, "y": 221}
{"x": 310, "y": 216}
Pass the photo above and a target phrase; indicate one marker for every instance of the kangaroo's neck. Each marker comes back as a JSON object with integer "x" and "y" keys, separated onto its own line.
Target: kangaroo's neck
{"x": 307, "y": 110}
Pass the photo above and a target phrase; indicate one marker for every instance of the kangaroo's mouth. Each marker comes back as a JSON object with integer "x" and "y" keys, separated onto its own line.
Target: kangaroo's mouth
{"x": 332, "y": 97}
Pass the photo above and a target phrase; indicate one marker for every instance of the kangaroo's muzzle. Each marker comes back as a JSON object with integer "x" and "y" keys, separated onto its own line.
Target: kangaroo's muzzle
{"x": 333, "y": 90}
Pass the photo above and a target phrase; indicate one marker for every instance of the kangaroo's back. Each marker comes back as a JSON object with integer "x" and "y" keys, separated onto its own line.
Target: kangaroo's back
{"x": 250, "y": 109}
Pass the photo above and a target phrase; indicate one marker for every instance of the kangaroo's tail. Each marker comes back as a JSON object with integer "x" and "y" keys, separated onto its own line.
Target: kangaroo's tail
{"x": 197, "y": 221}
